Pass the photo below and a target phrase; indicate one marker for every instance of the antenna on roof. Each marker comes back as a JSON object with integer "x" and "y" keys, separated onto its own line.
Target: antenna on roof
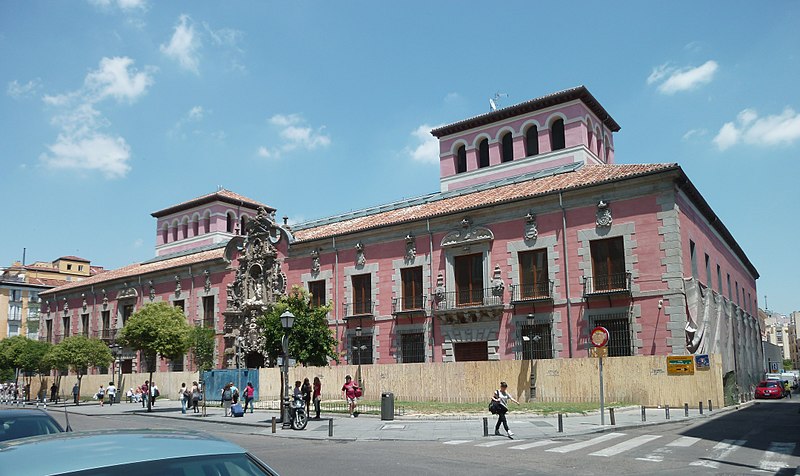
{"x": 219, "y": 188}
{"x": 495, "y": 101}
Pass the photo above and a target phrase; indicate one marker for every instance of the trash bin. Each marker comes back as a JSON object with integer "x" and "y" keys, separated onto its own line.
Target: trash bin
{"x": 387, "y": 406}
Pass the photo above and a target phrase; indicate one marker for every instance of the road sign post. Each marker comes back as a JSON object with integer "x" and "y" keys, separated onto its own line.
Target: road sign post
{"x": 599, "y": 339}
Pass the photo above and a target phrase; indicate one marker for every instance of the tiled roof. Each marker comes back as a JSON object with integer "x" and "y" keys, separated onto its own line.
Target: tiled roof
{"x": 74, "y": 258}
{"x": 532, "y": 105}
{"x": 221, "y": 195}
{"x": 438, "y": 204}
{"x": 138, "y": 269}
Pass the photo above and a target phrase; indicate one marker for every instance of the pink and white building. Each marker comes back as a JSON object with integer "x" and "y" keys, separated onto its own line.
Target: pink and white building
{"x": 535, "y": 237}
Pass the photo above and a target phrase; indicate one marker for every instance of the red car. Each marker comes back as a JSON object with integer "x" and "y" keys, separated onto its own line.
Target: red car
{"x": 769, "y": 389}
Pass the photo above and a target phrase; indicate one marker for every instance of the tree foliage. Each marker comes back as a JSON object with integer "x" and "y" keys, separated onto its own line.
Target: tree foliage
{"x": 157, "y": 329}
{"x": 25, "y": 355}
{"x": 79, "y": 353}
{"x": 788, "y": 364}
{"x": 311, "y": 341}
{"x": 201, "y": 345}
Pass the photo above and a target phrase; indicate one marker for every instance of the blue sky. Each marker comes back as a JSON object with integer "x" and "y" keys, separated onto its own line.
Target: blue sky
{"x": 113, "y": 109}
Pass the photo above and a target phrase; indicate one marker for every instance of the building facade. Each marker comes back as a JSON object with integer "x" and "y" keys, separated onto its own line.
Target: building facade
{"x": 535, "y": 237}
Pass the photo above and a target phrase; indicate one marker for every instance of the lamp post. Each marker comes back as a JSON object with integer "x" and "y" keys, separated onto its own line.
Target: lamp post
{"x": 116, "y": 352}
{"x": 287, "y": 321}
{"x": 531, "y": 339}
{"x": 359, "y": 347}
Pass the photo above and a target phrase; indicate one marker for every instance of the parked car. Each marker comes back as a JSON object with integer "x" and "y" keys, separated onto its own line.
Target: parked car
{"x": 21, "y": 423}
{"x": 129, "y": 453}
{"x": 769, "y": 389}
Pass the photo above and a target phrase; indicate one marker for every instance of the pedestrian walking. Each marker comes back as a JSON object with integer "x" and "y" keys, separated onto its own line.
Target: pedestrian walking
{"x": 101, "y": 395}
{"x": 145, "y": 393}
{"x": 349, "y": 393}
{"x": 54, "y": 393}
{"x": 234, "y": 393}
{"x": 154, "y": 393}
{"x": 500, "y": 402}
{"x": 111, "y": 391}
{"x": 306, "y": 391}
{"x": 129, "y": 395}
{"x": 185, "y": 395}
{"x": 227, "y": 398}
{"x": 317, "y": 395}
{"x": 249, "y": 392}
{"x": 196, "y": 396}
{"x": 76, "y": 390}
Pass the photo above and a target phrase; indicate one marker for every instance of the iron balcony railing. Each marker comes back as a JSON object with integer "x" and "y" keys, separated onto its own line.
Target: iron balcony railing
{"x": 106, "y": 334}
{"x": 540, "y": 291}
{"x": 607, "y": 284}
{"x": 471, "y": 298}
{"x": 409, "y": 304}
{"x": 358, "y": 309}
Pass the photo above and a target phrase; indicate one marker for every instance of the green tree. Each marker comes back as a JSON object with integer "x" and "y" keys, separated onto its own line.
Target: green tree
{"x": 79, "y": 353}
{"x": 311, "y": 341}
{"x": 201, "y": 345}
{"x": 788, "y": 364}
{"x": 10, "y": 349}
{"x": 156, "y": 329}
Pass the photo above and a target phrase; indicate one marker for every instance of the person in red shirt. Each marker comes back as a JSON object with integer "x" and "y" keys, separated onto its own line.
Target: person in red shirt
{"x": 349, "y": 393}
{"x": 249, "y": 391}
{"x": 145, "y": 393}
{"x": 317, "y": 395}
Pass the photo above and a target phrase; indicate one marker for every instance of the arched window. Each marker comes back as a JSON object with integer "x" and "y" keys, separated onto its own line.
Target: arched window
{"x": 229, "y": 225}
{"x": 557, "y": 140}
{"x": 185, "y": 230}
{"x": 590, "y": 140}
{"x": 461, "y": 160}
{"x": 165, "y": 234}
{"x": 483, "y": 154}
{"x": 508, "y": 148}
{"x": 207, "y": 223}
{"x": 243, "y": 225}
{"x": 174, "y": 232}
{"x": 531, "y": 141}
{"x": 196, "y": 227}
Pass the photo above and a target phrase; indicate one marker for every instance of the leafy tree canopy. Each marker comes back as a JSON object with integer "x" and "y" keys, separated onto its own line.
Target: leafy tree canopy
{"x": 201, "y": 344}
{"x": 311, "y": 341}
{"x": 25, "y": 354}
{"x": 157, "y": 329}
{"x": 78, "y": 353}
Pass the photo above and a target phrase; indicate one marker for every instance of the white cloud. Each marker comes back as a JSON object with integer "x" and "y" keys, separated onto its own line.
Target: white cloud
{"x": 20, "y": 91}
{"x": 122, "y": 4}
{"x": 296, "y": 134}
{"x": 776, "y": 130}
{"x": 673, "y": 80}
{"x": 195, "y": 113}
{"x": 193, "y": 116}
{"x": 93, "y": 152}
{"x": 116, "y": 78}
{"x": 694, "y": 133}
{"x": 264, "y": 152}
{"x": 427, "y": 150}
{"x": 184, "y": 45}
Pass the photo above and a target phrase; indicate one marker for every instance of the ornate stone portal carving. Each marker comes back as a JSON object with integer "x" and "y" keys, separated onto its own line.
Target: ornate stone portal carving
{"x": 468, "y": 234}
{"x": 256, "y": 286}
{"x": 531, "y": 229}
{"x": 411, "y": 248}
{"x": 603, "y": 214}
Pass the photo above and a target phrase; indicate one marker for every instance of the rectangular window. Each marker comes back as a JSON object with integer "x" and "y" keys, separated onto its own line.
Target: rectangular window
{"x": 537, "y": 346}
{"x": 85, "y": 325}
{"x": 65, "y": 326}
{"x": 317, "y": 290}
{"x": 749, "y": 304}
{"x": 608, "y": 264}
{"x": 469, "y": 279}
{"x": 176, "y": 365}
{"x": 412, "y": 287}
{"x": 105, "y": 316}
{"x": 412, "y": 347}
{"x": 69, "y": 267}
{"x": 80, "y": 267}
{"x": 48, "y": 325}
{"x": 471, "y": 351}
{"x": 719, "y": 279}
{"x": 533, "y": 275}
{"x": 362, "y": 294}
{"x": 619, "y": 339}
{"x": 730, "y": 295}
{"x": 708, "y": 271}
{"x": 361, "y": 348}
{"x": 693, "y": 257}
{"x": 737, "y": 293}
{"x": 208, "y": 311}
{"x": 179, "y": 304}
{"x": 16, "y": 295}
{"x": 127, "y": 311}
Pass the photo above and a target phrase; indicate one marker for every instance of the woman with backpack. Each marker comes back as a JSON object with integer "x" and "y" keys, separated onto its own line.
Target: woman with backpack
{"x": 500, "y": 403}
{"x": 227, "y": 399}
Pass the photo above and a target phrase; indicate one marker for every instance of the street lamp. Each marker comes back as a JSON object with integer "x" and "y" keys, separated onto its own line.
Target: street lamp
{"x": 531, "y": 339}
{"x": 359, "y": 347}
{"x": 287, "y": 321}
{"x": 116, "y": 352}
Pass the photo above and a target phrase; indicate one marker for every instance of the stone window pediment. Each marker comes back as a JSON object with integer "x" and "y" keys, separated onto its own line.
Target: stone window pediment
{"x": 466, "y": 235}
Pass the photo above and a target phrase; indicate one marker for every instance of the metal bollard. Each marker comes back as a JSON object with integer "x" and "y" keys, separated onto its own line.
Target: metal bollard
{"x": 644, "y": 414}
{"x": 485, "y": 426}
{"x": 611, "y": 416}
{"x": 560, "y": 423}
{"x": 330, "y": 427}
{"x": 701, "y": 407}
{"x": 666, "y": 409}
{"x": 709, "y": 405}
{"x": 686, "y": 409}
{"x": 273, "y": 424}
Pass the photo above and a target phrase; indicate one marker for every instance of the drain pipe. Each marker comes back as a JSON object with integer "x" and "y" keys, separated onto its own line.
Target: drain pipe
{"x": 566, "y": 270}
{"x": 335, "y": 284}
{"x": 430, "y": 277}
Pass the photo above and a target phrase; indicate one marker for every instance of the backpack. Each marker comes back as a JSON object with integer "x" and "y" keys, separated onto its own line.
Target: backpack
{"x": 358, "y": 392}
{"x": 226, "y": 394}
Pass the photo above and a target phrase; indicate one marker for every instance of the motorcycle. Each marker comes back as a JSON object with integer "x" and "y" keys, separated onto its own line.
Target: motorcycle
{"x": 297, "y": 413}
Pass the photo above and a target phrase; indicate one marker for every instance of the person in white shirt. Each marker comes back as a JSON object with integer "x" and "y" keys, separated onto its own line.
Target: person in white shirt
{"x": 111, "y": 391}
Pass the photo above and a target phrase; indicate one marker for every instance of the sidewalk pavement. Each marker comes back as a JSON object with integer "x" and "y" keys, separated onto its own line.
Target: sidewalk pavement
{"x": 412, "y": 428}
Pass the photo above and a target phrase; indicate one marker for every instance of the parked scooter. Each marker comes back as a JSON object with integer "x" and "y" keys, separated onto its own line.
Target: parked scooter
{"x": 297, "y": 413}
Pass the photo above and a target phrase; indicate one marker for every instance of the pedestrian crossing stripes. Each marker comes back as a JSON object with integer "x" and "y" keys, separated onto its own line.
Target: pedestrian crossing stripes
{"x": 775, "y": 459}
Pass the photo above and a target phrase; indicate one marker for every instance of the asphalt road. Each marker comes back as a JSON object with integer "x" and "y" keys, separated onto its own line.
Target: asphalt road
{"x": 761, "y": 439}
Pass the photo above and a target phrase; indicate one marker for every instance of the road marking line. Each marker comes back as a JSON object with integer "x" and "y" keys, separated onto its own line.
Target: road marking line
{"x": 684, "y": 441}
{"x": 776, "y": 456}
{"x": 625, "y": 445}
{"x": 584, "y": 444}
{"x": 721, "y": 450}
{"x": 535, "y": 444}
{"x": 494, "y": 443}
{"x": 457, "y": 442}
